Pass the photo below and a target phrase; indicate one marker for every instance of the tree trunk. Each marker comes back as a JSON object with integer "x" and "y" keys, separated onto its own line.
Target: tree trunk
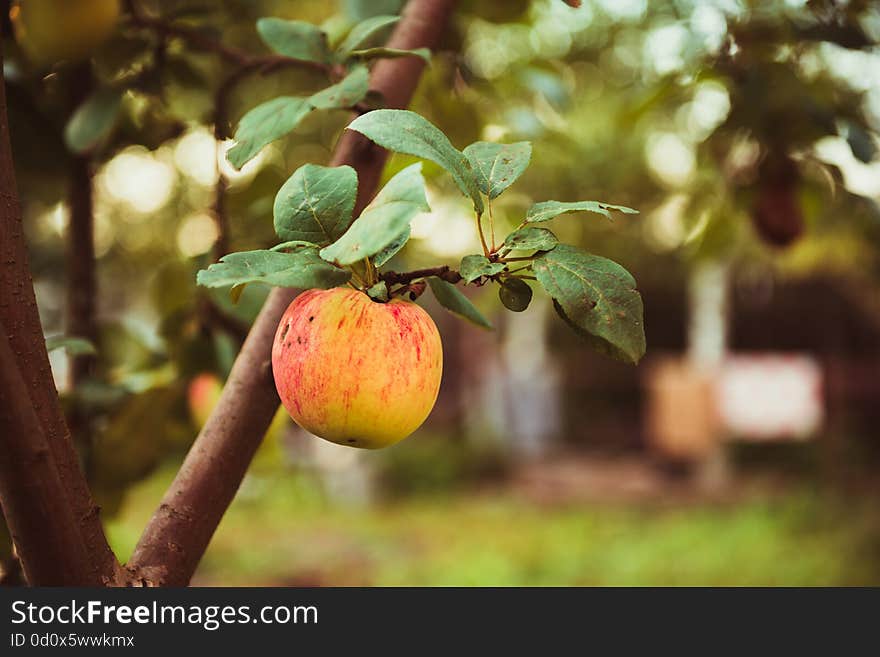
{"x": 24, "y": 335}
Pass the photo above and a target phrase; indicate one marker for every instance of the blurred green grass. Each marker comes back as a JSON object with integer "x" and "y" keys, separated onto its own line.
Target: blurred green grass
{"x": 282, "y": 531}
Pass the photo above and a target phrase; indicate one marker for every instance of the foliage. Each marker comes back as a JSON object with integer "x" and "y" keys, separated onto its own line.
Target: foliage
{"x": 595, "y": 296}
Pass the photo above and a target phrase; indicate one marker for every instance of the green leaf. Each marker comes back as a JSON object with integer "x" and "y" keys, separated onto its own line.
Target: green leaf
{"x": 451, "y": 298}
{"x": 302, "y": 268}
{"x": 379, "y": 291}
{"x": 515, "y": 294}
{"x": 382, "y": 222}
{"x": 347, "y": 93}
{"x": 363, "y": 32}
{"x": 530, "y": 238}
{"x": 391, "y": 250}
{"x": 264, "y": 124}
{"x": 74, "y": 346}
{"x": 296, "y": 39}
{"x": 474, "y": 266}
{"x": 391, "y": 53}
{"x": 497, "y": 166}
{"x": 93, "y": 120}
{"x": 597, "y": 297}
{"x": 406, "y": 186}
{"x": 550, "y": 209}
{"x": 315, "y": 204}
{"x": 407, "y": 132}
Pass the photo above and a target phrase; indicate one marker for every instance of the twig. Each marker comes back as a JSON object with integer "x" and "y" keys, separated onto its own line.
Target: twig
{"x": 444, "y": 272}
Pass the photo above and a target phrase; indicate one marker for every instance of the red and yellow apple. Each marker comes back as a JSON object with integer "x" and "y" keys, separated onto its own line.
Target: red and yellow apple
{"x": 356, "y": 371}
{"x": 53, "y": 30}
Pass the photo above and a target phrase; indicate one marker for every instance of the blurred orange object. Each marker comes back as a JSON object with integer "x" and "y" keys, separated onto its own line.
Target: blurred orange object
{"x": 682, "y": 421}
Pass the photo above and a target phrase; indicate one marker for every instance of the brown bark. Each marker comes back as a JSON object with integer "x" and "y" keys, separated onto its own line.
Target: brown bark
{"x": 178, "y": 534}
{"x": 21, "y": 326}
{"x": 34, "y": 500}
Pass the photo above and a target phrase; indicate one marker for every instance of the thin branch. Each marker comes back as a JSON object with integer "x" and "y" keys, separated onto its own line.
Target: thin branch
{"x": 179, "y": 532}
{"x": 221, "y": 132}
{"x": 21, "y": 323}
{"x": 81, "y": 286}
{"x": 444, "y": 272}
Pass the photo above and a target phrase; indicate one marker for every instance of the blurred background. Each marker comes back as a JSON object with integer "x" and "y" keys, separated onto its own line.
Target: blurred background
{"x": 743, "y": 450}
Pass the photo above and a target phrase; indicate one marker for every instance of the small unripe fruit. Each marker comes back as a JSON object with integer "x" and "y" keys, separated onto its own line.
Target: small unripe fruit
{"x": 355, "y": 371}
{"x": 777, "y": 214}
{"x": 50, "y": 31}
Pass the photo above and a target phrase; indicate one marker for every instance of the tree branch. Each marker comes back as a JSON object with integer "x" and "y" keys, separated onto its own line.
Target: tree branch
{"x": 444, "y": 272}
{"x": 21, "y": 324}
{"x": 35, "y": 502}
{"x": 178, "y": 534}
{"x": 80, "y": 258}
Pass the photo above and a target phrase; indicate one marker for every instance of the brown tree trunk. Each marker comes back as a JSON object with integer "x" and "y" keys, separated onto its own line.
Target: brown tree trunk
{"x": 21, "y": 326}
{"x": 178, "y": 534}
{"x": 42, "y": 525}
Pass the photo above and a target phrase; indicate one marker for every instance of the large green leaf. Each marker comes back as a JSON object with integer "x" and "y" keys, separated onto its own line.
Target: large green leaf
{"x": 530, "y": 238}
{"x": 382, "y": 222}
{"x": 597, "y": 297}
{"x": 474, "y": 266}
{"x": 451, "y": 298}
{"x": 407, "y": 132}
{"x": 93, "y": 120}
{"x": 303, "y": 268}
{"x": 391, "y": 53}
{"x": 315, "y": 204}
{"x": 347, "y": 93}
{"x": 363, "y": 32}
{"x": 296, "y": 39}
{"x": 549, "y": 209}
{"x": 497, "y": 166}
{"x": 264, "y": 124}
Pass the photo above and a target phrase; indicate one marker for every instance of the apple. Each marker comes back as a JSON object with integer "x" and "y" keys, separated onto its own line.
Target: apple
{"x": 53, "y": 30}
{"x": 202, "y": 396}
{"x": 355, "y": 371}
